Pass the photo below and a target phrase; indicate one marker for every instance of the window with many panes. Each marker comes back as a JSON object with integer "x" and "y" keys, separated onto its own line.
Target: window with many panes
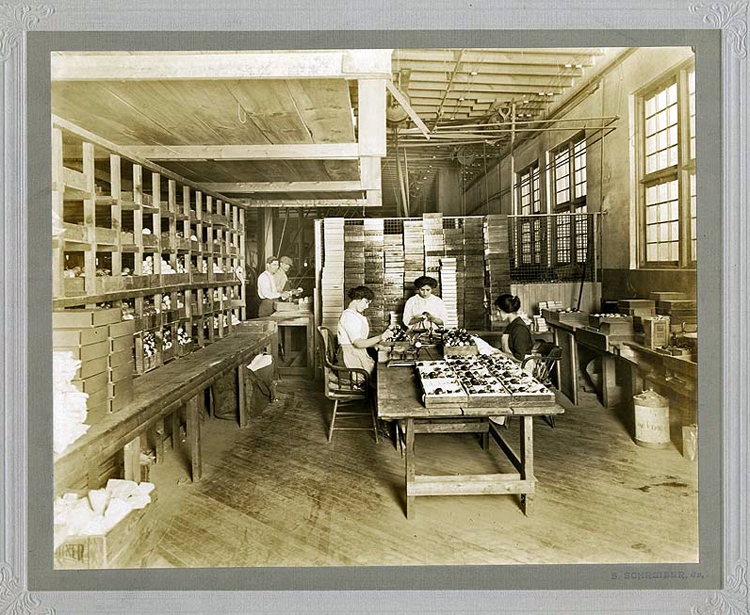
{"x": 569, "y": 196}
{"x": 667, "y": 172}
{"x": 530, "y": 202}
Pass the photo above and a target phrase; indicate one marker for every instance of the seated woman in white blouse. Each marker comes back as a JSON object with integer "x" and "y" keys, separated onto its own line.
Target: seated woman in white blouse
{"x": 424, "y": 308}
{"x": 354, "y": 331}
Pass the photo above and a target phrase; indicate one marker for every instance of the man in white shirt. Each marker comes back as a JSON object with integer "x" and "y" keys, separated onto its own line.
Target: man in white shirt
{"x": 267, "y": 288}
{"x": 425, "y": 309}
{"x": 280, "y": 277}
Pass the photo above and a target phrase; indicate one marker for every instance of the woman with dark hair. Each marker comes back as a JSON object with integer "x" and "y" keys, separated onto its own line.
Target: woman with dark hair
{"x": 353, "y": 331}
{"x": 425, "y": 308}
{"x": 517, "y": 340}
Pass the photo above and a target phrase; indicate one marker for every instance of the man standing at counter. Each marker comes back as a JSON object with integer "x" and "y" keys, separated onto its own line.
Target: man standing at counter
{"x": 280, "y": 277}
{"x": 267, "y": 290}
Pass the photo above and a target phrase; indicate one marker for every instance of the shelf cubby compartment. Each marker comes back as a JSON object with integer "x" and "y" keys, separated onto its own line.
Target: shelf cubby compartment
{"x": 147, "y": 351}
{"x": 169, "y": 342}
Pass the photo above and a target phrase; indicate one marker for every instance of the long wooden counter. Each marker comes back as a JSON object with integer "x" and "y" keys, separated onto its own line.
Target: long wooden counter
{"x": 158, "y": 394}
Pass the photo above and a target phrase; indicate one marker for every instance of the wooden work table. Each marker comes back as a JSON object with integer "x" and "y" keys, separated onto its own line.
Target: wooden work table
{"x": 674, "y": 377}
{"x": 158, "y": 394}
{"x": 285, "y": 322}
{"x": 399, "y": 399}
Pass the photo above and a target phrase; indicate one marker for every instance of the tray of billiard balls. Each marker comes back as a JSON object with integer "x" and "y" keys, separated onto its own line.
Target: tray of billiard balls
{"x": 458, "y": 343}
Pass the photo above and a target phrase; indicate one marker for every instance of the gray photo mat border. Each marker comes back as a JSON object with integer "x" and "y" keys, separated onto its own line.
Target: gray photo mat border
{"x": 26, "y": 308}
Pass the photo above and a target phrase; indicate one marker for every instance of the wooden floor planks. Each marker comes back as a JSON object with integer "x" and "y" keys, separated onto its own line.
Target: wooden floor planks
{"x": 278, "y": 494}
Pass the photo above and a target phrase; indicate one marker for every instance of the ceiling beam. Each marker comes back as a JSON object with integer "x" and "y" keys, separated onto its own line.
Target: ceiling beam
{"x": 314, "y": 186}
{"x": 503, "y": 56}
{"x": 407, "y": 107}
{"x": 371, "y": 116}
{"x": 308, "y": 203}
{"x": 346, "y": 64}
{"x": 484, "y": 76}
{"x": 297, "y": 151}
{"x": 439, "y": 86}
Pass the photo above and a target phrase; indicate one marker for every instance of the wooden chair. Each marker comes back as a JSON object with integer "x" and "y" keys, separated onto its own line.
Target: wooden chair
{"x": 545, "y": 359}
{"x": 344, "y": 385}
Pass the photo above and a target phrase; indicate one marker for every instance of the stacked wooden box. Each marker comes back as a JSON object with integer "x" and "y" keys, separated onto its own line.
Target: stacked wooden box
{"x": 332, "y": 291}
{"x": 454, "y": 248}
{"x": 413, "y": 254}
{"x": 449, "y": 290}
{"x": 354, "y": 255}
{"x": 374, "y": 271}
{"x": 681, "y": 308}
{"x": 497, "y": 262}
{"x": 104, "y": 345}
{"x": 120, "y": 363}
{"x": 434, "y": 245}
{"x": 393, "y": 283}
{"x": 474, "y": 297}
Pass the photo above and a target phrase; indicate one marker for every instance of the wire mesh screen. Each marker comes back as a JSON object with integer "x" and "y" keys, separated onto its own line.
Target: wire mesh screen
{"x": 553, "y": 248}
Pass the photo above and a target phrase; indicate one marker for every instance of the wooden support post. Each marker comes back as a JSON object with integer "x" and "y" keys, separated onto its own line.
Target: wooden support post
{"x": 609, "y": 383}
{"x": 132, "y": 460}
{"x": 176, "y": 429}
{"x": 58, "y": 199}
{"x": 410, "y": 471}
{"x": 243, "y": 260}
{"x": 159, "y": 435}
{"x": 527, "y": 461}
{"x": 241, "y": 397}
{"x": 115, "y": 179}
{"x": 194, "y": 437}
{"x": 89, "y": 217}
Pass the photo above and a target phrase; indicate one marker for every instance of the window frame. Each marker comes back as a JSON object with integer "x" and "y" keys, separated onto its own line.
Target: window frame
{"x": 530, "y": 232}
{"x": 681, "y": 172}
{"x": 574, "y": 203}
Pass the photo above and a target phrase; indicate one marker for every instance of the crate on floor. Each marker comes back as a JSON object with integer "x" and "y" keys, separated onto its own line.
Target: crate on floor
{"x": 124, "y": 541}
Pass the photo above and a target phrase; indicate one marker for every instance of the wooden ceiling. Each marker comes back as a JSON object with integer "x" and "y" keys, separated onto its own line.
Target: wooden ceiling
{"x": 468, "y": 99}
{"x": 282, "y": 127}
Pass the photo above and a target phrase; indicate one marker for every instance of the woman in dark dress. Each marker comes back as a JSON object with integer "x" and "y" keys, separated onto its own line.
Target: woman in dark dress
{"x": 517, "y": 340}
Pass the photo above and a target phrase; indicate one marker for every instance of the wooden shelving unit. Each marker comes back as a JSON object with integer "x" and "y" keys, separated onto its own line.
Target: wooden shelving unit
{"x": 177, "y": 276}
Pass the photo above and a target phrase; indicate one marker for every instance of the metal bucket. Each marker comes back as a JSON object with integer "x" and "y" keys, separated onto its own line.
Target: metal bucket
{"x": 651, "y": 420}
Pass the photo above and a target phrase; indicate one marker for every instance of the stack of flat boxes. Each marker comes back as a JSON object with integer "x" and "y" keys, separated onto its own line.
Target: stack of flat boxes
{"x": 474, "y": 312}
{"x": 413, "y": 254}
{"x": 86, "y": 334}
{"x": 332, "y": 284}
{"x": 638, "y": 309}
{"x": 434, "y": 245}
{"x": 449, "y": 291}
{"x": 680, "y": 307}
{"x": 354, "y": 256}
{"x": 375, "y": 271}
{"x": 393, "y": 284}
{"x": 120, "y": 363}
{"x": 497, "y": 261}
{"x": 453, "y": 234}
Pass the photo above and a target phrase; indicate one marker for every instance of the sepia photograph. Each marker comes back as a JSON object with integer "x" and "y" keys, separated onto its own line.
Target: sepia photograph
{"x": 375, "y": 307}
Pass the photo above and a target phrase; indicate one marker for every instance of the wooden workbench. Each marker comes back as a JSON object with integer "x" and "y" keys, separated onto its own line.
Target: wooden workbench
{"x": 673, "y": 377}
{"x": 285, "y": 321}
{"x": 398, "y": 399}
{"x": 157, "y": 395}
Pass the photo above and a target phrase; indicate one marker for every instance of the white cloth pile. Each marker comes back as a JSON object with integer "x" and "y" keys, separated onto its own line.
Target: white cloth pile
{"x": 260, "y": 361}
{"x": 68, "y": 403}
{"x": 100, "y": 510}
